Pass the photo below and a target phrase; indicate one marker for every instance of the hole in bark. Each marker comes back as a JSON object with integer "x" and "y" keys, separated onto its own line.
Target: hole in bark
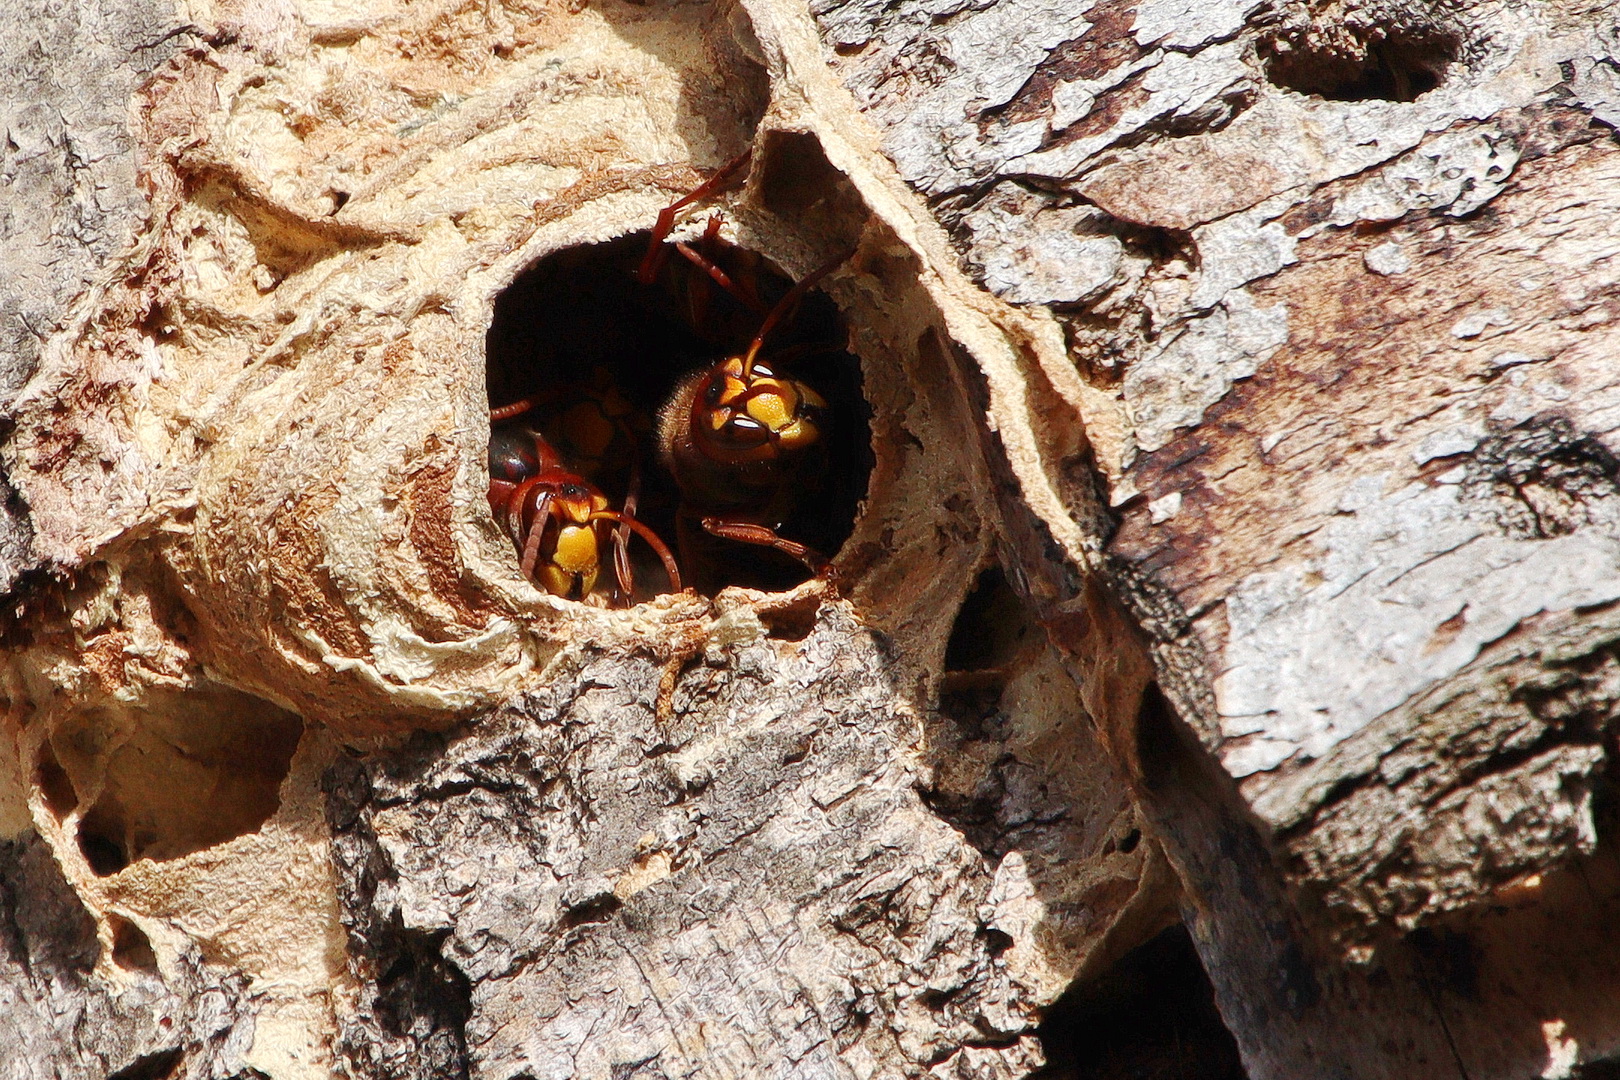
{"x": 424, "y": 997}
{"x": 797, "y": 183}
{"x": 156, "y": 1066}
{"x": 601, "y": 355}
{"x": 104, "y": 854}
{"x": 990, "y": 626}
{"x": 988, "y": 781}
{"x": 188, "y": 771}
{"x": 54, "y": 784}
{"x": 791, "y": 622}
{"x": 1447, "y": 959}
{"x": 793, "y": 172}
{"x": 597, "y": 909}
{"x": 1151, "y": 1016}
{"x": 131, "y": 950}
{"x": 1160, "y": 746}
{"x": 1380, "y": 63}
{"x": 970, "y": 790}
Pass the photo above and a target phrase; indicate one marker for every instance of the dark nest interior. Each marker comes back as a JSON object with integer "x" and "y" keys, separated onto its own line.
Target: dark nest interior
{"x": 1389, "y": 64}
{"x": 578, "y": 334}
{"x": 1151, "y": 1017}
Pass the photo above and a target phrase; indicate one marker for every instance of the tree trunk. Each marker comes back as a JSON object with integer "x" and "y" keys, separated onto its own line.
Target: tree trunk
{"x": 1216, "y": 680}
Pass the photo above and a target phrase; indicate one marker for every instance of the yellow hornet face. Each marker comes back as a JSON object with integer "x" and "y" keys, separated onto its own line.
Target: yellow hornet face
{"x": 758, "y": 415}
{"x": 571, "y": 572}
{"x": 571, "y": 562}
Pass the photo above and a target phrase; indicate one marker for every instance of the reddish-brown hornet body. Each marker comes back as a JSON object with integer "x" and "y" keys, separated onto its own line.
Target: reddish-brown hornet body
{"x": 741, "y": 439}
{"x": 559, "y": 521}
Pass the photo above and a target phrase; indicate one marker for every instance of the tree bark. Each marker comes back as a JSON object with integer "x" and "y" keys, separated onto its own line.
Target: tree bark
{"x": 1218, "y": 680}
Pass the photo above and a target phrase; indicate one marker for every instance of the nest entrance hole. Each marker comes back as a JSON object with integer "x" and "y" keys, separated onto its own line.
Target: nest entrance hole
{"x": 577, "y": 329}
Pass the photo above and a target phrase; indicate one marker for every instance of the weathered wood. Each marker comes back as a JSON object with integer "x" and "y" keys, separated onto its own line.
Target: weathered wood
{"x": 1348, "y": 396}
{"x": 763, "y": 897}
{"x": 68, "y": 170}
{"x": 1245, "y": 365}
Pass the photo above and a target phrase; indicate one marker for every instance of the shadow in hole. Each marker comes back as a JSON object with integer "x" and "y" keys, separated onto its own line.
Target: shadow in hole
{"x": 1402, "y": 65}
{"x": 132, "y": 950}
{"x": 190, "y": 770}
{"x": 158, "y": 1066}
{"x": 1150, "y": 1017}
{"x": 976, "y": 769}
